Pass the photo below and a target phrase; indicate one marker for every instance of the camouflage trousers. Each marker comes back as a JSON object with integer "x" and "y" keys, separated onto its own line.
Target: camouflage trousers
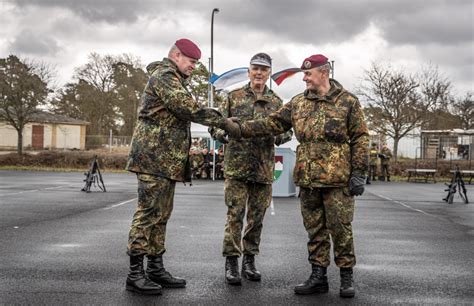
{"x": 327, "y": 214}
{"x": 155, "y": 204}
{"x": 239, "y": 195}
{"x": 372, "y": 172}
{"x": 385, "y": 170}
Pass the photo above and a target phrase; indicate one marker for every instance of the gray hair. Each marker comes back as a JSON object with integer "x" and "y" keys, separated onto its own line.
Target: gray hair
{"x": 173, "y": 51}
{"x": 326, "y": 66}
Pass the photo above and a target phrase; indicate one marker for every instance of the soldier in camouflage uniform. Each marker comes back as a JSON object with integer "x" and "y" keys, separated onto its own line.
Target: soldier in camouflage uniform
{"x": 248, "y": 170}
{"x": 331, "y": 164}
{"x": 159, "y": 156}
{"x": 385, "y": 155}
{"x": 373, "y": 154}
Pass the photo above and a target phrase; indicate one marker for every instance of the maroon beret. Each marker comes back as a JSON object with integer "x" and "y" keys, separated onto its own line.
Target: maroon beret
{"x": 314, "y": 61}
{"x": 188, "y": 48}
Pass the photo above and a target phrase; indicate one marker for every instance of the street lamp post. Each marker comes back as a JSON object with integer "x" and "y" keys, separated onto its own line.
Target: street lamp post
{"x": 211, "y": 91}
{"x": 216, "y": 10}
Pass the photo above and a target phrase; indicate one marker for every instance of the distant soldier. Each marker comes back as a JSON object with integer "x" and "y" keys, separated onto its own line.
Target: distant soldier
{"x": 385, "y": 155}
{"x": 330, "y": 169}
{"x": 220, "y": 164}
{"x": 248, "y": 170}
{"x": 373, "y": 154}
{"x": 159, "y": 156}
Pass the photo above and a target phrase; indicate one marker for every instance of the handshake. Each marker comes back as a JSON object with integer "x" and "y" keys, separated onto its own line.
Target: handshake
{"x": 232, "y": 127}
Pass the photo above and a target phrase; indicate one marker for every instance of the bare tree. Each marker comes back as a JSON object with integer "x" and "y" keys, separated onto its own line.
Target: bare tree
{"x": 23, "y": 88}
{"x": 398, "y": 101}
{"x": 463, "y": 108}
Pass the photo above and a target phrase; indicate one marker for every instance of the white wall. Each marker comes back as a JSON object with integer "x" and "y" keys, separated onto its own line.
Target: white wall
{"x": 8, "y": 135}
{"x": 407, "y": 146}
{"x": 68, "y": 136}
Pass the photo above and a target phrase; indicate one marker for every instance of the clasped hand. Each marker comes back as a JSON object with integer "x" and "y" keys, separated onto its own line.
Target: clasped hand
{"x": 232, "y": 127}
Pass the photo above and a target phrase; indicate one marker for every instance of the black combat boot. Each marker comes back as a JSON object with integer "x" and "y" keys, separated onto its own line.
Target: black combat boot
{"x": 157, "y": 273}
{"x": 347, "y": 286}
{"x": 388, "y": 178}
{"x": 232, "y": 270}
{"x": 368, "y": 181}
{"x": 137, "y": 280}
{"x": 317, "y": 282}
{"x": 248, "y": 268}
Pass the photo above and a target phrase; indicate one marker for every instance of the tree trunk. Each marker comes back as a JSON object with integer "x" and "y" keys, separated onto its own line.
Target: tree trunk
{"x": 20, "y": 141}
{"x": 395, "y": 148}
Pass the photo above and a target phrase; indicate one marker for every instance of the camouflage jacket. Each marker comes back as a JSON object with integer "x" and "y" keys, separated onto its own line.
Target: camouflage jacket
{"x": 387, "y": 155}
{"x": 373, "y": 155}
{"x": 332, "y": 134}
{"x": 251, "y": 159}
{"x": 162, "y": 136}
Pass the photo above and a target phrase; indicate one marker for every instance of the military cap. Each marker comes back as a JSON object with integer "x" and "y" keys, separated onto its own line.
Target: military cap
{"x": 313, "y": 61}
{"x": 188, "y": 48}
{"x": 261, "y": 59}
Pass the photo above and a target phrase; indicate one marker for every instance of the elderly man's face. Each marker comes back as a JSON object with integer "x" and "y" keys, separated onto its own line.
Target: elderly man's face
{"x": 314, "y": 78}
{"x": 185, "y": 64}
{"x": 258, "y": 75}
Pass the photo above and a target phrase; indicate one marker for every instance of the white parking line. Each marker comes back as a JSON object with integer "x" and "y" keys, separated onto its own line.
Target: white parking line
{"x": 120, "y": 204}
{"x": 19, "y": 192}
{"x": 58, "y": 187}
{"x": 34, "y": 190}
{"x": 404, "y": 205}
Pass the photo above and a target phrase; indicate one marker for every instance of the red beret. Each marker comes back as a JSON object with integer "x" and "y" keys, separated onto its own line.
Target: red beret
{"x": 314, "y": 61}
{"x": 188, "y": 48}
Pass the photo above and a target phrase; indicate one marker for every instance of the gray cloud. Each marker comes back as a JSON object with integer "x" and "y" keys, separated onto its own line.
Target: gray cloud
{"x": 308, "y": 21}
{"x": 95, "y": 10}
{"x": 30, "y": 42}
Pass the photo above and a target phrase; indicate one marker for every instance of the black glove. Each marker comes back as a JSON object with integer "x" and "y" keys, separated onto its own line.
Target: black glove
{"x": 356, "y": 185}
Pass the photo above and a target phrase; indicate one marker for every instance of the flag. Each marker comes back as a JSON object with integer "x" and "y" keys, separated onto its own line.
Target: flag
{"x": 280, "y": 76}
{"x": 229, "y": 78}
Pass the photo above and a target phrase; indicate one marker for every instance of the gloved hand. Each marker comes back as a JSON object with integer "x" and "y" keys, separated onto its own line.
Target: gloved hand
{"x": 232, "y": 127}
{"x": 221, "y": 136}
{"x": 356, "y": 185}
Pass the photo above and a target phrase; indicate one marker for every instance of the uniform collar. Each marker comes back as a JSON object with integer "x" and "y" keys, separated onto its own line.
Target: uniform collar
{"x": 334, "y": 91}
{"x": 267, "y": 92}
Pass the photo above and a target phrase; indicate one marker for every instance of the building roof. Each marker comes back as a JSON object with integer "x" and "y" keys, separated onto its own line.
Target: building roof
{"x": 449, "y": 132}
{"x": 47, "y": 117}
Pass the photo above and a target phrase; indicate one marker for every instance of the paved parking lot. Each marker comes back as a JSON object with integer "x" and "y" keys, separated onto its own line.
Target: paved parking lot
{"x": 61, "y": 246}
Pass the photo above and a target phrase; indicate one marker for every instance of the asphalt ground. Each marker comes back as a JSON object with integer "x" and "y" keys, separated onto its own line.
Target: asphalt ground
{"x": 61, "y": 246}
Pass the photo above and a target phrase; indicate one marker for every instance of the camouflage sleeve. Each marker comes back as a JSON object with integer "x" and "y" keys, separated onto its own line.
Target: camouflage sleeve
{"x": 276, "y": 123}
{"x": 224, "y": 110}
{"x": 359, "y": 140}
{"x": 180, "y": 102}
{"x": 284, "y": 137}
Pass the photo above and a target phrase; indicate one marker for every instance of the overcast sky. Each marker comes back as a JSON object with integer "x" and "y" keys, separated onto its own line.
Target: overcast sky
{"x": 404, "y": 33}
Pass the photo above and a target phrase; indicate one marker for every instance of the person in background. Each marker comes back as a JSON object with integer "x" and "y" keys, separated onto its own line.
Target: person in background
{"x": 385, "y": 156}
{"x": 373, "y": 154}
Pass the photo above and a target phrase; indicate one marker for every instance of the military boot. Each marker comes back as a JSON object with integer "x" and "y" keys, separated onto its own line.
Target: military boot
{"x": 347, "y": 286}
{"x": 317, "y": 282}
{"x": 388, "y": 178}
{"x": 248, "y": 268}
{"x": 368, "y": 181}
{"x": 232, "y": 270}
{"x": 157, "y": 273}
{"x": 137, "y": 281}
